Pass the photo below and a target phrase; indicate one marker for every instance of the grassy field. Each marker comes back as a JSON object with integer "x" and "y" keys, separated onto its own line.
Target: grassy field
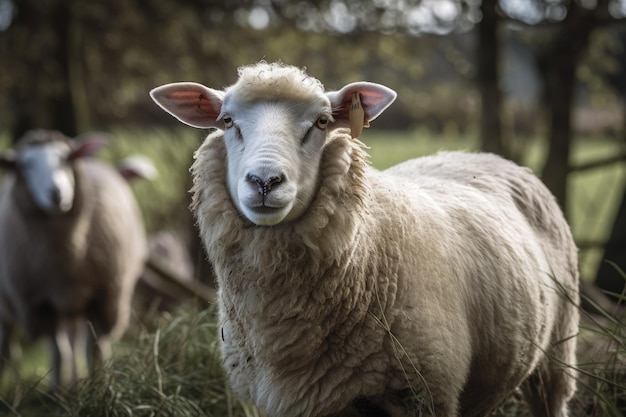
{"x": 174, "y": 371}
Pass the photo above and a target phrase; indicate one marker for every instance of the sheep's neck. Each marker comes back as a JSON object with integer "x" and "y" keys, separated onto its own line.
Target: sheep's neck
{"x": 305, "y": 323}
{"x": 321, "y": 303}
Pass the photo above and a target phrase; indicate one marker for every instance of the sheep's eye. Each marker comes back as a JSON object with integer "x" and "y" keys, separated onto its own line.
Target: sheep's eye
{"x": 228, "y": 121}
{"x": 322, "y": 122}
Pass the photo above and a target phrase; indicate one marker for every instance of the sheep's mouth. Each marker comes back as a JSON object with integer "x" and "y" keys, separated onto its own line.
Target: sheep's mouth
{"x": 265, "y": 210}
{"x": 266, "y": 216}
{"x": 267, "y": 206}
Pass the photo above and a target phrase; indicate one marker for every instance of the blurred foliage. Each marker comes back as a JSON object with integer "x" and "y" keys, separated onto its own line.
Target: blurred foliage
{"x": 118, "y": 51}
{"x": 600, "y": 66}
{"x": 112, "y": 53}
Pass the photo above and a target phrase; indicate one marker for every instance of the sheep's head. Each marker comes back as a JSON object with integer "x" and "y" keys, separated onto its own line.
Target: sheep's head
{"x": 276, "y": 120}
{"x": 42, "y": 161}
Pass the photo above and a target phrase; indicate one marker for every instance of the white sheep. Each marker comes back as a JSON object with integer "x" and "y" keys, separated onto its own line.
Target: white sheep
{"x": 438, "y": 286}
{"x": 72, "y": 245}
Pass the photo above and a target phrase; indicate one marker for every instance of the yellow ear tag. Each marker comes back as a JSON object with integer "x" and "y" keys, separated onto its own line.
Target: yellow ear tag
{"x": 356, "y": 116}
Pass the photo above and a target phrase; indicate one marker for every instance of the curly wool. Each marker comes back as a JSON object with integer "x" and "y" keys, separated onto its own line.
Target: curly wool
{"x": 272, "y": 81}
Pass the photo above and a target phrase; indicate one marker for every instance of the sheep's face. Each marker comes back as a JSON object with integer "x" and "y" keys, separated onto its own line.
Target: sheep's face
{"x": 47, "y": 176}
{"x": 274, "y": 149}
{"x": 275, "y": 120}
{"x": 43, "y": 163}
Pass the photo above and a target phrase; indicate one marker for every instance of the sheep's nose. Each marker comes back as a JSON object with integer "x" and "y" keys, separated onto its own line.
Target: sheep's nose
{"x": 264, "y": 185}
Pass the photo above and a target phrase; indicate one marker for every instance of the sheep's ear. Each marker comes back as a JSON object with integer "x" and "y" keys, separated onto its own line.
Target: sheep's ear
{"x": 192, "y": 103}
{"x": 7, "y": 160}
{"x": 135, "y": 167}
{"x": 374, "y": 99}
{"x": 88, "y": 144}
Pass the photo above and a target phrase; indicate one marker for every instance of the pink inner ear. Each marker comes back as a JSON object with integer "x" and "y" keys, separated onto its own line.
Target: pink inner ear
{"x": 375, "y": 98}
{"x": 89, "y": 146}
{"x": 369, "y": 100}
{"x": 193, "y": 103}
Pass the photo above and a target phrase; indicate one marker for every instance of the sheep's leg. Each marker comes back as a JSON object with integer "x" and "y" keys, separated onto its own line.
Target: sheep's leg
{"x": 543, "y": 396}
{"x": 98, "y": 348}
{"x": 77, "y": 333}
{"x": 549, "y": 388}
{"x": 108, "y": 320}
{"x": 63, "y": 363}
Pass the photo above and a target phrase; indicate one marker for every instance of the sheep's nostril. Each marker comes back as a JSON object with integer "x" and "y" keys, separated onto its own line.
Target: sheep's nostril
{"x": 256, "y": 180}
{"x": 272, "y": 181}
{"x": 264, "y": 186}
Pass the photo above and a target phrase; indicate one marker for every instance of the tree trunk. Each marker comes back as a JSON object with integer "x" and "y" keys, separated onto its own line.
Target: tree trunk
{"x": 607, "y": 277}
{"x": 42, "y": 98}
{"x": 488, "y": 79}
{"x": 559, "y": 80}
{"x": 557, "y": 67}
{"x": 62, "y": 105}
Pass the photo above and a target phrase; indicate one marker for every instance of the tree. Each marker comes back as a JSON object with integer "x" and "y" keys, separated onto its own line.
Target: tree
{"x": 39, "y": 62}
{"x": 67, "y": 60}
{"x": 488, "y": 59}
{"x": 557, "y": 64}
{"x": 608, "y": 277}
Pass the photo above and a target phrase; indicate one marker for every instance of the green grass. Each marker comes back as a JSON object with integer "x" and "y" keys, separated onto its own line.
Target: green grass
{"x": 602, "y": 361}
{"x": 173, "y": 371}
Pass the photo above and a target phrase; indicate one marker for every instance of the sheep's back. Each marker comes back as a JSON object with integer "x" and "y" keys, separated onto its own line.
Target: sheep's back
{"x": 493, "y": 176}
{"x": 486, "y": 208}
{"x": 501, "y": 190}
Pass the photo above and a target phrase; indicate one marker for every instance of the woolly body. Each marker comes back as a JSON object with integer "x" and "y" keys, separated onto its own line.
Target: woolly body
{"x": 440, "y": 260}
{"x": 80, "y": 264}
{"x": 450, "y": 279}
